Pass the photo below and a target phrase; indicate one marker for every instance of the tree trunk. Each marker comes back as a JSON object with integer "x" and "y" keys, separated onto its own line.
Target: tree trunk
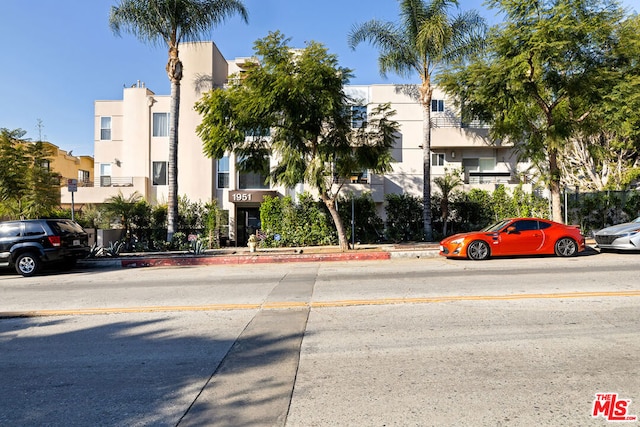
{"x": 342, "y": 235}
{"x": 426, "y": 172}
{"x": 174, "y": 71}
{"x": 444, "y": 207}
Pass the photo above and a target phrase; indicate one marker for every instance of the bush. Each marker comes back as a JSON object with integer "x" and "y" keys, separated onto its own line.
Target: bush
{"x": 404, "y": 218}
{"x": 368, "y": 227}
{"x": 285, "y": 223}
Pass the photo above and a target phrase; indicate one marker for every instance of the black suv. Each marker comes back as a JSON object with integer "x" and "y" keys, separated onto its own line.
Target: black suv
{"x": 28, "y": 244}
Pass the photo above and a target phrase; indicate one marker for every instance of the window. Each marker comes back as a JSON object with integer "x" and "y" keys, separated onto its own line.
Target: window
{"x": 252, "y": 179}
{"x": 105, "y": 174}
{"x": 159, "y": 171}
{"x": 358, "y": 116}
{"x": 437, "y": 159}
{"x": 526, "y": 225}
{"x": 437, "y": 105}
{"x": 258, "y": 132}
{"x": 33, "y": 229}
{"x": 361, "y": 177}
{"x": 223, "y": 172}
{"x": 10, "y": 229}
{"x": 160, "y": 124}
{"x": 105, "y": 128}
{"x": 83, "y": 176}
{"x": 487, "y": 164}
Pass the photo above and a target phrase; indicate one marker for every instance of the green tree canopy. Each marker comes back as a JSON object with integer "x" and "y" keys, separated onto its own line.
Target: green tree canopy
{"x": 547, "y": 68}
{"x": 299, "y": 95}
{"x": 28, "y": 187}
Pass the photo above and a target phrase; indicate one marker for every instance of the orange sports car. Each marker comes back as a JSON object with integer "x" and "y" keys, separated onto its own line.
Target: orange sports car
{"x": 515, "y": 236}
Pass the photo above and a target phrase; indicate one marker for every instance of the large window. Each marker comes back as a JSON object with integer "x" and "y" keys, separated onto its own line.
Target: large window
{"x": 159, "y": 171}
{"x": 437, "y": 105}
{"x": 83, "y": 176}
{"x": 437, "y": 159}
{"x": 160, "y": 124}
{"x": 358, "y": 116}
{"x": 223, "y": 172}
{"x": 105, "y": 128}
{"x": 253, "y": 179}
{"x": 105, "y": 174}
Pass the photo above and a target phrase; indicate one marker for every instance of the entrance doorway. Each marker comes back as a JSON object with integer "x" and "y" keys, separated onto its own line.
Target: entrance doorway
{"x": 247, "y": 223}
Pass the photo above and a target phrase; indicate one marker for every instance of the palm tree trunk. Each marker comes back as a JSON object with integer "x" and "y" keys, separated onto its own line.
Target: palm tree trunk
{"x": 426, "y": 170}
{"x": 174, "y": 71}
{"x": 172, "y": 197}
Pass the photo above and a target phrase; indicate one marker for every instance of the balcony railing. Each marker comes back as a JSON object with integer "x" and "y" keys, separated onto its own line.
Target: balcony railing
{"x": 488, "y": 178}
{"x": 80, "y": 182}
{"x": 456, "y": 122}
{"x": 113, "y": 181}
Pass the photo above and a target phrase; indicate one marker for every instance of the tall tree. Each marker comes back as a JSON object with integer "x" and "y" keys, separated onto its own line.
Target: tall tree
{"x": 547, "y": 68}
{"x": 606, "y": 154}
{"x": 298, "y": 95}
{"x": 170, "y": 22}
{"x": 28, "y": 187}
{"x": 426, "y": 38}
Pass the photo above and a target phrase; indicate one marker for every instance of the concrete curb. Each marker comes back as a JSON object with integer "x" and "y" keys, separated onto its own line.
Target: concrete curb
{"x": 261, "y": 257}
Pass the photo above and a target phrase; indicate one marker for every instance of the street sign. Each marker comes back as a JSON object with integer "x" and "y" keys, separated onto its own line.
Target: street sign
{"x": 72, "y": 185}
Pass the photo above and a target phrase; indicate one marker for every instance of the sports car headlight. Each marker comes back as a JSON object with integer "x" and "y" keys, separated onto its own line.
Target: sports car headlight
{"x": 457, "y": 241}
{"x": 631, "y": 233}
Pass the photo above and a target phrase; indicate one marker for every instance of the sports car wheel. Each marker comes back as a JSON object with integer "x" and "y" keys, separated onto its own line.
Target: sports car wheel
{"x": 478, "y": 250}
{"x": 566, "y": 247}
{"x": 27, "y": 264}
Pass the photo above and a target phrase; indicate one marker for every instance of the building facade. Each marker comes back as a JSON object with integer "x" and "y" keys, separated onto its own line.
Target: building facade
{"x": 132, "y": 147}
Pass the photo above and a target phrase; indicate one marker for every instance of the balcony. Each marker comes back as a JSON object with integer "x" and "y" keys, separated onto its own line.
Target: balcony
{"x": 112, "y": 181}
{"x": 102, "y": 188}
{"x": 456, "y": 122}
{"x": 488, "y": 177}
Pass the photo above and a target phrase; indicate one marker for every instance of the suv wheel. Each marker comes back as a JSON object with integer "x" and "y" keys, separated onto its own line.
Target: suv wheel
{"x": 27, "y": 264}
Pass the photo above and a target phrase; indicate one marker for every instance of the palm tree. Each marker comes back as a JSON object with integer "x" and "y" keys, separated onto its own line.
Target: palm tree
{"x": 123, "y": 209}
{"x": 169, "y": 22}
{"x": 426, "y": 38}
{"x": 446, "y": 184}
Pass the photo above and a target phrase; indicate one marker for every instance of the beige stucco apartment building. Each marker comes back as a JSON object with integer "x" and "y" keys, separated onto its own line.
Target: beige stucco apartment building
{"x": 131, "y": 146}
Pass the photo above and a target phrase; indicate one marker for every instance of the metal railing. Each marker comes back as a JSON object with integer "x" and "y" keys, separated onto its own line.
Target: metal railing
{"x": 113, "y": 181}
{"x": 456, "y": 122}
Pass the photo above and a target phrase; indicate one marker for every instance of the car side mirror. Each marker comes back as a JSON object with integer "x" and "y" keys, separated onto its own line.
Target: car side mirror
{"x": 511, "y": 229}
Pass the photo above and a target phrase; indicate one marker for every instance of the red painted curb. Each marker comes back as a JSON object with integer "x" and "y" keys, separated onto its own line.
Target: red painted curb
{"x": 253, "y": 259}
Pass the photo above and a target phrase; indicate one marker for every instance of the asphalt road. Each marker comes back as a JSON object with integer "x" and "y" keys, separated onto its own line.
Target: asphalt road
{"x": 427, "y": 342}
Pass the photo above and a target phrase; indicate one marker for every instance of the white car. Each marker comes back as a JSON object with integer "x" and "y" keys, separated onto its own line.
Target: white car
{"x": 621, "y": 237}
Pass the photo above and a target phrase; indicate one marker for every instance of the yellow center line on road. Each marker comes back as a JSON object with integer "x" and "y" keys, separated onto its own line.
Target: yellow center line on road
{"x": 429, "y": 300}
{"x": 280, "y": 305}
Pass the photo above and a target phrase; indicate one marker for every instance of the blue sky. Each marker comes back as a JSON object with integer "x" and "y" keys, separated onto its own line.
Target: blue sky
{"x": 60, "y": 56}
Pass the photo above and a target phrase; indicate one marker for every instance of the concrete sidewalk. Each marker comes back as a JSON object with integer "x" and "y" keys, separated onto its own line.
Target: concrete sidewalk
{"x": 243, "y": 256}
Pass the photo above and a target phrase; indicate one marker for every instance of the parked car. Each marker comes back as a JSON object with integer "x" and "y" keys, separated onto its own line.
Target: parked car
{"x": 515, "y": 236}
{"x": 621, "y": 237}
{"x": 28, "y": 245}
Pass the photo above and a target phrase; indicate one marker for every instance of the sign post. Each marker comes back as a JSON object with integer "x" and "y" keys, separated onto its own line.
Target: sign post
{"x": 72, "y": 186}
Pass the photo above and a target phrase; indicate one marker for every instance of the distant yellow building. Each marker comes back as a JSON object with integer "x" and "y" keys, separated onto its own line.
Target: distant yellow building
{"x": 70, "y": 167}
